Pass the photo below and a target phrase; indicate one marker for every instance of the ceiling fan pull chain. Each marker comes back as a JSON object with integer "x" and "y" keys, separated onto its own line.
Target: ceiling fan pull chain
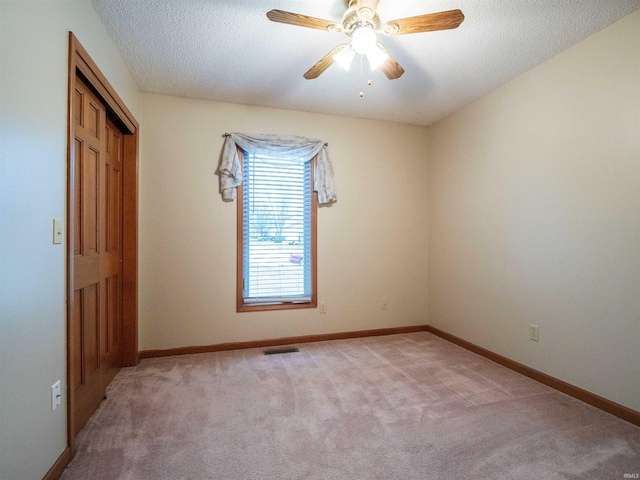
{"x": 361, "y": 91}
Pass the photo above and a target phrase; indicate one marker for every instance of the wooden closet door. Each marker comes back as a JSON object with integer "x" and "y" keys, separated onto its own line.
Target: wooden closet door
{"x": 96, "y": 211}
{"x": 111, "y": 333}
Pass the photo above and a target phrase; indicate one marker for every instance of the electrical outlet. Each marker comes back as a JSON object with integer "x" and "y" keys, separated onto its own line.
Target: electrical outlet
{"x": 385, "y": 304}
{"x": 323, "y": 307}
{"x": 534, "y": 333}
{"x": 55, "y": 395}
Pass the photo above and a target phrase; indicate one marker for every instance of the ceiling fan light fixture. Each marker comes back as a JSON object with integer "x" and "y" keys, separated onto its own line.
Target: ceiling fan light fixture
{"x": 363, "y": 40}
{"x": 376, "y": 57}
{"x": 344, "y": 57}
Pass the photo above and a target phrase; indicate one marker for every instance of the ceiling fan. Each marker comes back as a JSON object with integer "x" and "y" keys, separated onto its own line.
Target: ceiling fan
{"x": 361, "y": 22}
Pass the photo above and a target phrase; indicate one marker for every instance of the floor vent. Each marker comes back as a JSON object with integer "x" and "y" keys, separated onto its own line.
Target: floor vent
{"x": 276, "y": 351}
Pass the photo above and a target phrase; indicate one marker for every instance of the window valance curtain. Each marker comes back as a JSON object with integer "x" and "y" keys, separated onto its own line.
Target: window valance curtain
{"x": 276, "y": 146}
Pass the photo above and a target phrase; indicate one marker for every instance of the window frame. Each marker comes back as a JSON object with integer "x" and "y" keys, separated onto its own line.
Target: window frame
{"x": 241, "y": 306}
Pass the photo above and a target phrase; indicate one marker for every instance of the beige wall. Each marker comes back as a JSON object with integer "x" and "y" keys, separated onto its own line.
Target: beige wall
{"x": 534, "y": 214}
{"x": 370, "y": 243}
{"x": 33, "y": 142}
{"x": 534, "y": 217}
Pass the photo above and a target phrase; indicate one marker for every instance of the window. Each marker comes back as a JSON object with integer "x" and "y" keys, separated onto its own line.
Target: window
{"x": 276, "y": 234}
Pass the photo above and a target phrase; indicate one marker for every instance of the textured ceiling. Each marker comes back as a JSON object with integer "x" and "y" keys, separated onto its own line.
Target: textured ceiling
{"x": 228, "y": 51}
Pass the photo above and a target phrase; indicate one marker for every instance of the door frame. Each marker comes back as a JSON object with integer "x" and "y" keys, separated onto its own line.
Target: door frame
{"x": 81, "y": 63}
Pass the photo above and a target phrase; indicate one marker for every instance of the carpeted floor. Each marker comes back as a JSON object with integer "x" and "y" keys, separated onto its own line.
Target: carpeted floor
{"x": 407, "y": 406}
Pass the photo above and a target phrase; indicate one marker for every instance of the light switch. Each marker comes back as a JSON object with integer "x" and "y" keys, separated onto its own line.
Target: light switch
{"x": 57, "y": 231}
{"x": 55, "y": 395}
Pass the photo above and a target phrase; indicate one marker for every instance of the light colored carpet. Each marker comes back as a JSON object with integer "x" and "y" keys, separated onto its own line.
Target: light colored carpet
{"x": 407, "y": 406}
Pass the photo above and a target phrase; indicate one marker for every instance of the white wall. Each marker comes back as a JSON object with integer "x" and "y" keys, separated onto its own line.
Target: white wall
{"x": 370, "y": 243}
{"x": 534, "y": 217}
{"x": 33, "y": 123}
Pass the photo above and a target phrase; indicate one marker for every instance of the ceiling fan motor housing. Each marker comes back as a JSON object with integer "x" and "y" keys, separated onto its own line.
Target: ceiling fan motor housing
{"x": 361, "y": 13}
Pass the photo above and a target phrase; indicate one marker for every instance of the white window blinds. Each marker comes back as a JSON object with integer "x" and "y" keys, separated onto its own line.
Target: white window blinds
{"x": 276, "y": 253}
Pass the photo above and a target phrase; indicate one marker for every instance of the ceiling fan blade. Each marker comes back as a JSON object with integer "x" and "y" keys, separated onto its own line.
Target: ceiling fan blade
{"x": 391, "y": 68}
{"x": 301, "y": 20}
{"x": 424, "y": 23}
{"x": 322, "y": 64}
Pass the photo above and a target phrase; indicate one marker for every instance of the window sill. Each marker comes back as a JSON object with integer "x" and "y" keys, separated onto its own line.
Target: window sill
{"x": 275, "y": 306}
